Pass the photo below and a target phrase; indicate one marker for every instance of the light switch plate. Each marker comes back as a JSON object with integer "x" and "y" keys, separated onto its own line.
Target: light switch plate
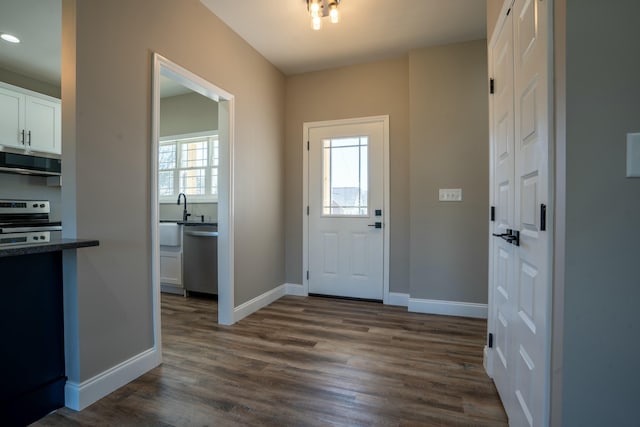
{"x": 450, "y": 195}
{"x": 633, "y": 155}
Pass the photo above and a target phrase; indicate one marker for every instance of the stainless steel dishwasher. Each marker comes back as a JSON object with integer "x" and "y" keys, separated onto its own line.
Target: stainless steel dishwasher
{"x": 200, "y": 259}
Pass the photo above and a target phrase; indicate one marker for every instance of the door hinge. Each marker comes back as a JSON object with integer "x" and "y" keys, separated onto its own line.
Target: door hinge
{"x": 492, "y": 86}
{"x": 490, "y": 343}
{"x": 307, "y": 145}
{"x": 307, "y": 274}
{"x": 543, "y": 217}
{"x": 493, "y": 213}
{"x": 307, "y": 210}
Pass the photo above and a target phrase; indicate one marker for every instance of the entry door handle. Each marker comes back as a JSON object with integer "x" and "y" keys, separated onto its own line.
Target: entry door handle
{"x": 511, "y": 236}
{"x": 376, "y": 225}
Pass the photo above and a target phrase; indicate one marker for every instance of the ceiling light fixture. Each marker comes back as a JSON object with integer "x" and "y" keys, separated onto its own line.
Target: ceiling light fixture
{"x": 9, "y": 38}
{"x": 318, "y": 9}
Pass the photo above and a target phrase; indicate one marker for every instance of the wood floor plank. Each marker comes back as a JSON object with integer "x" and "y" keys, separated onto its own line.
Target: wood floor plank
{"x": 306, "y": 361}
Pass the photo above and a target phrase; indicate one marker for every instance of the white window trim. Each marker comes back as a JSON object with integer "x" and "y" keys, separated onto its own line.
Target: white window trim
{"x": 192, "y": 198}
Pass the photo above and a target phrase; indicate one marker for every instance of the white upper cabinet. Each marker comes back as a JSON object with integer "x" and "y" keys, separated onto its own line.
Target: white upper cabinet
{"x": 29, "y": 121}
{"x": 11, "y": 118}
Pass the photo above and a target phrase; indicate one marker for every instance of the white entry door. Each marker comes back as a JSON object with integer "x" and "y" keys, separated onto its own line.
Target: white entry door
{"x": 346, "y": 218}
{"x": 520, "y": 258}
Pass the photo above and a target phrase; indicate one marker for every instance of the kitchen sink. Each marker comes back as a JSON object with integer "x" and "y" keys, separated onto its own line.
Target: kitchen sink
{"x": 170, "y": 234}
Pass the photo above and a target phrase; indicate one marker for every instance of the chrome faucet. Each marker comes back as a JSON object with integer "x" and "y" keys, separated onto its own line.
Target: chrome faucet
{"x": 184, "y": 211}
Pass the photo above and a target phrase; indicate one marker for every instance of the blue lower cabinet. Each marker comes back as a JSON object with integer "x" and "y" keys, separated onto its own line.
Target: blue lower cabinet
{"x": 32, "y": 330}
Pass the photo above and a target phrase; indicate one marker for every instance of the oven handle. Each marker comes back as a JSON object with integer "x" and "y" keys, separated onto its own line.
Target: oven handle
{"x": 8, "y": 230}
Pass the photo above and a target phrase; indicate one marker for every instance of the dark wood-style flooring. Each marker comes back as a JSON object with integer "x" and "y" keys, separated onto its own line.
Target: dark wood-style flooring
{"x": 306, "y": 362}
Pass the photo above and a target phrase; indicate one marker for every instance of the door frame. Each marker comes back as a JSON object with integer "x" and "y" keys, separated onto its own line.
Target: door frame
{"x": 307, "y": 126}
{"x": 487, "y": 351}
{"x": 165, "y": 67}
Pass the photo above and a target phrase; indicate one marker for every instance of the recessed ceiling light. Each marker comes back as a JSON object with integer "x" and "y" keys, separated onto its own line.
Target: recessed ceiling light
{"x": 9, "y": 37}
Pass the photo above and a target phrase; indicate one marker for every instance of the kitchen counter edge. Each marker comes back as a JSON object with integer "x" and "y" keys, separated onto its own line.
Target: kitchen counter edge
{"x": 52, "y": 246}
{"x": 190, "y": 223}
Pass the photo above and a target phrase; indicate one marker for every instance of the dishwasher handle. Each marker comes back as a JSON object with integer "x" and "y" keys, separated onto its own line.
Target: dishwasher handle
{"x": 201, "y": 233}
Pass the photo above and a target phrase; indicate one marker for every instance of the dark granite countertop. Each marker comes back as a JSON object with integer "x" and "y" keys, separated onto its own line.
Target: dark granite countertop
{"x": 195, "y": 223}
{"x": 190, "y": 223}
{"x": 52, "y": 246}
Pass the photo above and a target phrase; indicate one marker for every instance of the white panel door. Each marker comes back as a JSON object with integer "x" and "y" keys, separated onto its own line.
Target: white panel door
{"x": 503, "y": 164}
{"x": 532, "y": 176}
{"x": 520, "y": 281}
{"x": 345, "y": 204}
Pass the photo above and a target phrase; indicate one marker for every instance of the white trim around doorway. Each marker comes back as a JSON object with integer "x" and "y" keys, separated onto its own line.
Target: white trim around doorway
{"x": 165, "y": 67}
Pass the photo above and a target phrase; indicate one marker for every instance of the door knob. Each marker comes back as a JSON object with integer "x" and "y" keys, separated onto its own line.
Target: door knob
{"x": 511, "y": 236}
{"x": 376, "y": 225}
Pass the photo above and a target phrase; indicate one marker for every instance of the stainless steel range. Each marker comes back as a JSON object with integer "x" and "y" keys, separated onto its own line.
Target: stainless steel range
{"x": 27, "y": 221}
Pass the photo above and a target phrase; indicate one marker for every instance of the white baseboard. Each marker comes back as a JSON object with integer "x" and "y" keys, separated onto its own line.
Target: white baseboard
{"x": 448, "y": 308}
{"x": 396, "y": 298}
{"x": 79, "y": 396}
{"x": 296, "y": 289}
{"x": 171, "y": 289}
{"x": 251, "y": 306}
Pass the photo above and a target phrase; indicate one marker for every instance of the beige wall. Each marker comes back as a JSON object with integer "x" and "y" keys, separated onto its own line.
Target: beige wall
{"x": 188, "y": 113}
{"x": 378, "y": 88}
{"x": 602, "y": 219}
{"x": 449, "y": 149}
{"x": 28, "y": 83}
{"x": 106, "y": 115}
{"x": 493, "y": 12}
{"x": 437, "y": 102}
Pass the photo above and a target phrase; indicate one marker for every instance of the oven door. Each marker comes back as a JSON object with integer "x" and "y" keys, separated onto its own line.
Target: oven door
{"x": 21, "y": 236}
{"x": 24, "y": 238}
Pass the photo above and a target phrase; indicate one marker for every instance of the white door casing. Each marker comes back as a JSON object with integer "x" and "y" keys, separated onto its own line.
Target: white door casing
{"x": 520, "y": 278}
{"x": 345, "y": 254}
{"x": 226, "y": 101}
{"x": 502, "y": 252}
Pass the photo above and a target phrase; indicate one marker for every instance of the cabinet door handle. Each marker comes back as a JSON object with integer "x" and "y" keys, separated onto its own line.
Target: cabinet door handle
{"x": 22, "y": 140}
{"x": 29, "y": 133}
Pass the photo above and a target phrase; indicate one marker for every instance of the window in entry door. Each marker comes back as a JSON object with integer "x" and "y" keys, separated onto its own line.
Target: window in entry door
{"x": 345, "y": 177}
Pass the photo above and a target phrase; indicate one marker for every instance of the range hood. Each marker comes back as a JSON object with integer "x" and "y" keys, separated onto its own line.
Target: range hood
{"x": 28, "y": 164}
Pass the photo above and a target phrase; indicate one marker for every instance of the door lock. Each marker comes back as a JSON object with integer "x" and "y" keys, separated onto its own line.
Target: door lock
{"x": 376, "y": 225}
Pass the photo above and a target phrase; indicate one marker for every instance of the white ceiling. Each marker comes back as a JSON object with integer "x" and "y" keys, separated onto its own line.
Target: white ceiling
{"x": 38, "y": 24}
{"x": 369, "y": 30}
{"x": 169, "y": 87}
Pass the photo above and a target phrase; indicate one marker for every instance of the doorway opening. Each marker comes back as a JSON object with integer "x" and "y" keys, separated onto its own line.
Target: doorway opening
{"x": 198, "y": 164}
{"x": 346, "y": 213}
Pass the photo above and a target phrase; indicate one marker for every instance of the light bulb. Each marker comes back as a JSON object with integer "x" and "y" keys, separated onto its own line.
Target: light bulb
{"x": 315, "y": 8}
{"x": 10, "y": 38}
{"x": 316, "y": 23}
{"x": 334, "y": 14}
